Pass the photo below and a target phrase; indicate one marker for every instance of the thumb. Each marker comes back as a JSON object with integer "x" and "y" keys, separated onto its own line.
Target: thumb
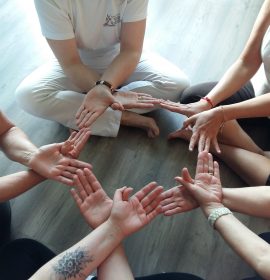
{"x": 189, "y": 186}
{"x": 186, "y": 175}
{"x": 118, "y": 195}
{"x": 117, "y": 106}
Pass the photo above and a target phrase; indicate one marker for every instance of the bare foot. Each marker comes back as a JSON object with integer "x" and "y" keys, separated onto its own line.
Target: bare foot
{"x": 136, "y": 120}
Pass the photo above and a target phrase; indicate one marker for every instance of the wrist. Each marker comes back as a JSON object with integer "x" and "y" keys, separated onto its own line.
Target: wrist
{"x": 209, "y": 208}
{"x": 106, "y": 84}
{"x": 115, "y": 230}
{"x": 27, "y": 157}
{"x": 216, "y": 214}
{"x": 208, "y": 101}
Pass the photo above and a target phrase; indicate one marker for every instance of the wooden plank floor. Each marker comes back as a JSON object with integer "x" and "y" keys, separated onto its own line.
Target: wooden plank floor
{"x": 203, "y": 37}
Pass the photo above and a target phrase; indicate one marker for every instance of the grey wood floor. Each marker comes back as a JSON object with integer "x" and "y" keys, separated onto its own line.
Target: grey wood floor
{"x": 203, "y": 37}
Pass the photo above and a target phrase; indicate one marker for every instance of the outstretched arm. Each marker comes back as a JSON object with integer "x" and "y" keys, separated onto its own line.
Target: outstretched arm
{"x": 127, "y": 216}
{"x": 207, "y": 192}
{"x": 95, "y": 206}
{"x": 253, "y": 201}
{"x": 15, "y": 184}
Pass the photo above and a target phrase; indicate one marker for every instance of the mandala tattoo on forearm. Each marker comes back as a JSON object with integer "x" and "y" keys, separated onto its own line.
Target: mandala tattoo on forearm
{"x": 71, "y": 264}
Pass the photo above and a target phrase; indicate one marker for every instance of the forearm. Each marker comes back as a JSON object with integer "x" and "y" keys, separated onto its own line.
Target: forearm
{"x": 115, "y": 267}
{"x": 16, "y": 145}
{"x": 121, "y": 67}
{"x": 82, "y": 76}
{"x": 252, "y": 201}
{"x": 18, "y": 183}
{"x": 252, "y": 108}
{"x": 254, "y": 250}
{"x": 85, "y": 256}
{"x": 235, "y": 77}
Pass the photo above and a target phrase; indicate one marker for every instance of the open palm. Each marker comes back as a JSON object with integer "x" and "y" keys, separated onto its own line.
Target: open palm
{"x": 94, "y": 204}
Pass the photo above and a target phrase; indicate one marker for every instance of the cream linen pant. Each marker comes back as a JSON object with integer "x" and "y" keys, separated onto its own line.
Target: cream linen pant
{"x": 49, "y": 94}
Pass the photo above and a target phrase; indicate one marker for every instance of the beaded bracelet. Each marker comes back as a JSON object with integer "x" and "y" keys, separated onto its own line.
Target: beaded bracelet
{"x": 217, "y": 213}
{"x": 207, "y": 99}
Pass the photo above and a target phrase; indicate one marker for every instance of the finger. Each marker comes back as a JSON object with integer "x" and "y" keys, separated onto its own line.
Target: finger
{"x": 172, "y": 108}
{"x": 92, "y": 180}
{"x": 210, "y": 164}
{"x": 175, "y": 134}
{"x": 216, "y": 170}
{"x": 93, "y": 118}
{"x": 80, "y": 188}
{"x": 167, "y": 194}
{"x": 64, "y": 180}
{"x": 207, "y": 144}
{"x": 216, "y": 145}
{"x": 174, "y": 211}
{"x": 84, "y": 182}
{"x": 79, "y": 164}
{"x": 140, "y": 105}
{"x": 193, "y": 140}
{"x": 82, "y": 138}
{"x": 67, "y": 174}
{"x": 140, "y": 94}
{"x": 151, "y": 207}
{"x": 145, "y": 190}
{"x": 201, "y": 142}
{"x": 167, "y": 201}
{"x": 79, "y": 112}
{"x": 200, "y": 163}
{"x": 82, "y": 115}
{"x": 117, "y": 106}
{"x": 76, "y": 197}
{"x": 170, "y": 206}
{"x": 73, "y": 136}
{"x": 126, "y": 193}
{"x": 118, "y": 195}
{"x": 154, "y": 213}
{"x": 71, "y": 169}
{"x": 85, "y": 119}
{"x": 186, "y": 175}
{"x": 152, "y": 196}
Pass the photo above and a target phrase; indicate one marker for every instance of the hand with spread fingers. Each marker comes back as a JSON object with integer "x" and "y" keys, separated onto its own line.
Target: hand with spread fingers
{"x": 186, "y": 197}
{"x": 58, "y": 161}
{"x": 131, "y": 214}
{"x": 205, "y": 128}
{"x": 96, "y": 101}
{"x": 94, "y": 204}
{"x": 206, "y": 188}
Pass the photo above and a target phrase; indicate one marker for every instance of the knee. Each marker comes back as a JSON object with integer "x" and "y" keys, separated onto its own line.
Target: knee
{"x": 172, "y": 86}
{"x": 26, "y": 98}
{"x": 195, "y": 93}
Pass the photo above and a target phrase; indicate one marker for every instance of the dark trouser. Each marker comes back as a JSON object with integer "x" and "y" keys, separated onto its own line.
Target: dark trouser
{"x": 5, "y": 222}
{"x": 195, "y": 93}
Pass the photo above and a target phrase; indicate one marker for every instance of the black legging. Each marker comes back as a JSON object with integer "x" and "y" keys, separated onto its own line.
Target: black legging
{"x": 5, "y": 222}
{"x": 21, "y": 258}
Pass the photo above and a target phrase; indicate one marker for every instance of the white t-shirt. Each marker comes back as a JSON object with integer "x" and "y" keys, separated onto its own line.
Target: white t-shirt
{"x": 95, "y": 24}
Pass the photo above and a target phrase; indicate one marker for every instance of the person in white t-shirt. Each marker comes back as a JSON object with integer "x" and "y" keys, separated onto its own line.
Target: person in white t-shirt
{"x": 217, "y": 128}
{"x": 98, "y": 47}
